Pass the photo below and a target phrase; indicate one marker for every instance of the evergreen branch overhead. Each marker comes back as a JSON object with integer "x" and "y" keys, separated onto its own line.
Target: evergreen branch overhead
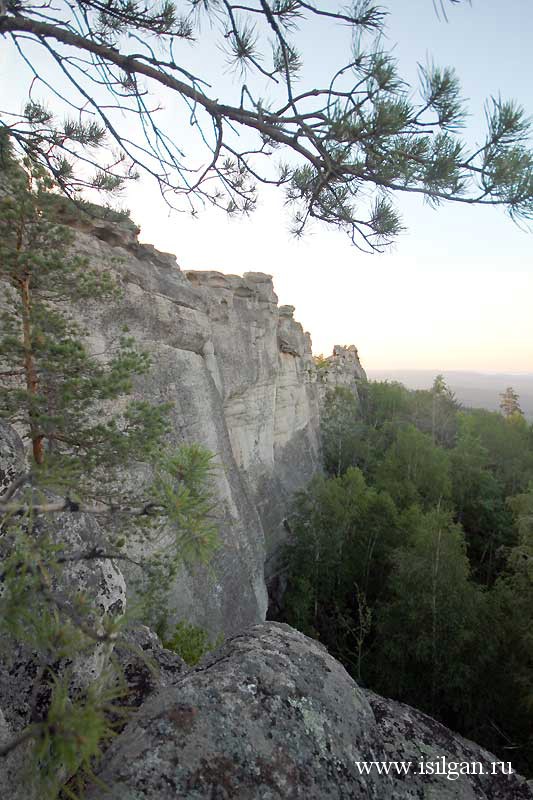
{"x": 345, "y": 147}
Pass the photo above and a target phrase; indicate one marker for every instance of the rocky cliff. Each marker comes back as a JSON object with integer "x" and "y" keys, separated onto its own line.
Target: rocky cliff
{"x": 239, "y": 373}
{"x": 270, "y": 714}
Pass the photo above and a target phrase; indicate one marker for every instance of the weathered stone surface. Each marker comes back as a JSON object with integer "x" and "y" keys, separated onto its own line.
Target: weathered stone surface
{"x": 145, "y": 665}
{"x": 271, "y": 715}
{"x": 24, "y": 696}
{"x": 104, "y": 586}
{"x": 99, "y": 580}
{"x": 264, "y": 717}
{"x": 17, "y": 669}
{"x": 409, "y": 735}
{"x": 267, "y": 381}
{"x": 240, "y": 376}
{"x": 342, "y": 368}
{"x": 13, "y": 783}
{"x": 11, "y": 456}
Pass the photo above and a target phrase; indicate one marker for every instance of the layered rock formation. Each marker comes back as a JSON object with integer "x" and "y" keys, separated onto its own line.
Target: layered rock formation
{"x": 239, "y": 373}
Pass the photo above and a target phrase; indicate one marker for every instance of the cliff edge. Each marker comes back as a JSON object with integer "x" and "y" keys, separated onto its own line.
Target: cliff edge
{"x": 239, "y": 373}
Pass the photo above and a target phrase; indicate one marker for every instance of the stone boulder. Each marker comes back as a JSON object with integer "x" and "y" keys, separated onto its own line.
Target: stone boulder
{"x": 272, "y": 715}
{"x": 101, "y": 581}
{"x": 145, "y": 665}
{"x": 409, "y": 735}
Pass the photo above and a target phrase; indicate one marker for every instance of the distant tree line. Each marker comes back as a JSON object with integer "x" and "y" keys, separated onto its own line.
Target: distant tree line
{"x": 411, "y": 557}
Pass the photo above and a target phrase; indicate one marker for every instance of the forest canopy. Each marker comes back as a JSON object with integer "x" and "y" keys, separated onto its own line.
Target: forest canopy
{"x": 411, "y": 558}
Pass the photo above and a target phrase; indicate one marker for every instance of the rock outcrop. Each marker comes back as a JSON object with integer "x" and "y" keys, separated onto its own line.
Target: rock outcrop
{"x": 239, "y": 373}
{"x": 272, "y": 716}
{"x": 146, "y": 666}
{"x": 24, "y": 694}
{"x": 11, "y": 456}
{"x": 342, "y": 368}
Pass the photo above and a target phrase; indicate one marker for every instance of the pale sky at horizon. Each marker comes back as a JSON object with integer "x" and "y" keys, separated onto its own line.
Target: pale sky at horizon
{"x": 456, "y": 291}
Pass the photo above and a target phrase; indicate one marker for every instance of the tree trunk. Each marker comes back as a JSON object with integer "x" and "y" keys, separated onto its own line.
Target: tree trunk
{"x": 29, "y": 369}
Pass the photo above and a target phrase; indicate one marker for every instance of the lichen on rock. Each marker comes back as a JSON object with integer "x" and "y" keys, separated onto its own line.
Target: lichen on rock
{"x": 272, "y": 716}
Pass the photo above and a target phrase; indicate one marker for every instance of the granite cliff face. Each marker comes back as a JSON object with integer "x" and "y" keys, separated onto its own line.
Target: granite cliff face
{"x": 270, "y": 714}
{"x": 239, "y": 373}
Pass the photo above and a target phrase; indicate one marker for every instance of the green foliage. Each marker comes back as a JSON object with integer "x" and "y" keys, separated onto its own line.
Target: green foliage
{"x": 414, "y": 470}
{"x": 442, "y": 92}
{"x": 321, "y": 362}
{"x": 343, "y": 533}
{"x": 340, "y": 433}
{"x": 512, "y": 612}
{"x": 479, "y": 500}
{"x": 71, "y": 738}
{"x": 352, "y": 142}
{"x": 189, "y": 537}
{"x": 416, "y": 568}
{"x": 91, "y": 449}
{"x": 509, "y": 444}
{"x": 383, "y": 402}
{"x": 190, "y": 642}
{"x": 53, "y": 387}
{"x": 430, "y": 594}
{"x": 65, "y": 211}
{"x": 189, "y": 506}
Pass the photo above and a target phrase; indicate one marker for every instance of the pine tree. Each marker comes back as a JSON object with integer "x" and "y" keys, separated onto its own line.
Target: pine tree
{"x": 62, "y": 399}
{"x": 348, "y": 141}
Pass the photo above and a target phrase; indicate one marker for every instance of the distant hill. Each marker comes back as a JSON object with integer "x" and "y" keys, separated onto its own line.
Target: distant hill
{"x": 473, "y": 389}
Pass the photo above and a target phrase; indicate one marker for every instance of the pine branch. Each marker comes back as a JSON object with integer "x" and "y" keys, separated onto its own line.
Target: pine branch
{"x": 31, "y": 732}
{"x": 75, "y": 507}
{"x": 14, "y": 487}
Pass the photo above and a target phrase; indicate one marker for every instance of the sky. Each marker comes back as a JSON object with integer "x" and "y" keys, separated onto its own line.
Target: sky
{"x": 456, "y": 290}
